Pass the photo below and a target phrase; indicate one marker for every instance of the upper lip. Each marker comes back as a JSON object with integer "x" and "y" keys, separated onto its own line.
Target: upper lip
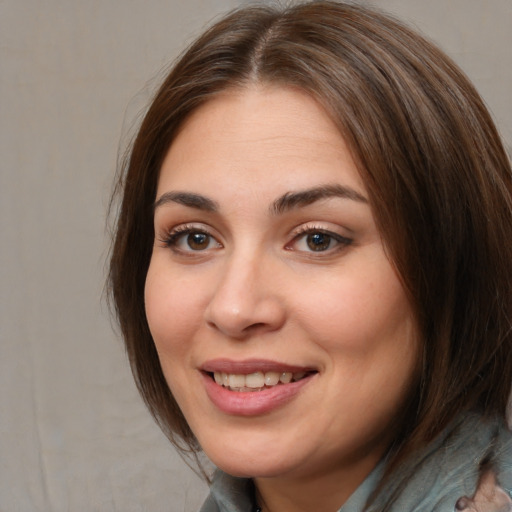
{"x": 247, "y": 366}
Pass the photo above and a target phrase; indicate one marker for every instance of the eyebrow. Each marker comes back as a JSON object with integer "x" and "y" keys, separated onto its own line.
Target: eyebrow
{"x": 189, "y": 199}
{"x": 284, "y": 203}
{"x": 301, "y": 198}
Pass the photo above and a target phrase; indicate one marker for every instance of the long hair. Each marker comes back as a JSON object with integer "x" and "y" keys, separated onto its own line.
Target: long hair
{"x": 437, "y": 176}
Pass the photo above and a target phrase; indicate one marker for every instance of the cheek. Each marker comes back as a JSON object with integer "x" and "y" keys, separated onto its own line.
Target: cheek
{"x": 355, "y": 312}
{"x": 173, "y": 313}
{"x": 171, "y": 309}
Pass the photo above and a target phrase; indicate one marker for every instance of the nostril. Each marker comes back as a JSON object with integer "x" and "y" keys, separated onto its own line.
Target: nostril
{"x": 240, "y": 315}
{"x": 254, "y": 327}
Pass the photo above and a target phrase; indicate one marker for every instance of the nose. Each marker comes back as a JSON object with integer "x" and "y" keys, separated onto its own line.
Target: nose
{"x": 246, "y": 300}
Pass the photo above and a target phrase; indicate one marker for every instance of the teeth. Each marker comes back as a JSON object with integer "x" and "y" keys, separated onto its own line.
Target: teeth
{"x": 236, "y": 381}
{"x": 255, "y": 381}
{"x": 286, "y": 377}
{"x": 271, "y": 378}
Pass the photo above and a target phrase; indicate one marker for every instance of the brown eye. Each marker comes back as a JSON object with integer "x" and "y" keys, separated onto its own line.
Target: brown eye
{"x": 198, "y": 241}
{"x": 190, "y": 240}
{"x": 319, "y": 241}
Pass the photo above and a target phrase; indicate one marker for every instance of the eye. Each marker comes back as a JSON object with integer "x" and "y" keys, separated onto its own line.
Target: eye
{"x": 189, "y": 239}
{"x": 318, "y": 240}
{"x": 197, "y": 241}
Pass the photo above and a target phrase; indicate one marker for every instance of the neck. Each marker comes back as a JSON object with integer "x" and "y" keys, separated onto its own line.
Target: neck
{"x": 318, "y": 492}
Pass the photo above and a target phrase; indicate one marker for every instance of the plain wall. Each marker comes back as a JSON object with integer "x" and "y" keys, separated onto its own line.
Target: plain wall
{"x": 74, "y": 435}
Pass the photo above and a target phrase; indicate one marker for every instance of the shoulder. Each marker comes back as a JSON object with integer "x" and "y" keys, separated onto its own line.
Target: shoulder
{"x": 467, "y": 468}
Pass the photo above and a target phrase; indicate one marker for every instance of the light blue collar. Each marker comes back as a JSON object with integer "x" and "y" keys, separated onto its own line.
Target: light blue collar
{"x": 431, "y": 481}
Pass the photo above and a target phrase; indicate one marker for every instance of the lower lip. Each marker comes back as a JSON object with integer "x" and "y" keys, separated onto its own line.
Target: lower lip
{"x": 252, "y": 403}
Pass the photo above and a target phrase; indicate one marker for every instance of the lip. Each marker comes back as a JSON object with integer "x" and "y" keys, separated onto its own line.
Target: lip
{"x": 247, "y": 366}
{"x": 252, "y": 403}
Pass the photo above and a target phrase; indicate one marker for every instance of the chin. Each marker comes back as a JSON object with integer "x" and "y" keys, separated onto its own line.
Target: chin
{"x": 251, "y": 457}
{"x": 253, "y": 469}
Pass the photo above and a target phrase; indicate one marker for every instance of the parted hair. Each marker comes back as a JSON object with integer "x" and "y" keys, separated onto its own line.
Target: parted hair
{"x": 436, "y": 173}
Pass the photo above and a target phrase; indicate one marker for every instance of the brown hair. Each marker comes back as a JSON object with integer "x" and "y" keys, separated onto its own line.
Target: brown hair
{"x": 438, "y": 179}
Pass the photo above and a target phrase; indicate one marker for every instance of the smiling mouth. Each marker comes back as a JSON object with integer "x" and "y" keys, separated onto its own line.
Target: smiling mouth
{"x": 257, "y": 381}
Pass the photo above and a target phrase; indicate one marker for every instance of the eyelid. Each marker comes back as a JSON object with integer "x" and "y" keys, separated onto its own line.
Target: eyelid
{"x": 170, "y": 237}
{"x": 307, "y": 229}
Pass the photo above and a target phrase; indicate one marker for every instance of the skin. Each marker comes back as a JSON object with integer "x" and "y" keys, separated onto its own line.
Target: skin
{"x": 489, "y": 496}
{"x": 256, "y": 289}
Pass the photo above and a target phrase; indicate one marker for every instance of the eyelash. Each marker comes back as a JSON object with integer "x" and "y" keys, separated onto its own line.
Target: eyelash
{"x": 304, "y": 231}
{"x": 174, "y": 236}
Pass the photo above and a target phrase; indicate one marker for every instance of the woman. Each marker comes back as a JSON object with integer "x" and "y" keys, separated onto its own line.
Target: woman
{"x": 311, "y": 267}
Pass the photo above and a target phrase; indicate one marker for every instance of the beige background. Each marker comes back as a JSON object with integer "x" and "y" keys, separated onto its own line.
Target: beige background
{"x": 74, "y": 435}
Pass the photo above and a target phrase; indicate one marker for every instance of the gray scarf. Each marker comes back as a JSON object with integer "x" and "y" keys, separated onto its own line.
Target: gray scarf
{"x": 446, "y": 470}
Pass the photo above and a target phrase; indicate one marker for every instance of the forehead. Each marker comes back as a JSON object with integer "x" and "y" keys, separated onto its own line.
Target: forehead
{"x": 259, "y": 134}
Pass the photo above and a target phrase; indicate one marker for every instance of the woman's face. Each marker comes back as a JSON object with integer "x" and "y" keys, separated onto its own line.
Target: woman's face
{"x": 282, "y": 329}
